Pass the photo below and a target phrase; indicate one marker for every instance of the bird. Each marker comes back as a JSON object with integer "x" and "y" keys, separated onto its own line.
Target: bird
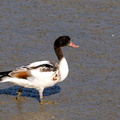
{"x": 41, "y": 74}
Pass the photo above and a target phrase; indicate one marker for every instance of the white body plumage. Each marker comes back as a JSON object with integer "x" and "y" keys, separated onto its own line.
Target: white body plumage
{"x": 41, "y": 74}
{"x": 40, "y": 80}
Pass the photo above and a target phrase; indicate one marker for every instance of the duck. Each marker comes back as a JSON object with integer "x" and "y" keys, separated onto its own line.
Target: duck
{"x": 41, "y": 74}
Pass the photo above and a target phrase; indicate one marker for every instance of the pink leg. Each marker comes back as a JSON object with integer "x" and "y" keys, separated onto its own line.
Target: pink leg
{"x": 41, "y": 98}
{"x": 41, "y": 95}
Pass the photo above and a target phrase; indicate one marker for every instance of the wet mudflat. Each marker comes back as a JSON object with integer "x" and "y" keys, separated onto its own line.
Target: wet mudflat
{"x": 92, "y": 90}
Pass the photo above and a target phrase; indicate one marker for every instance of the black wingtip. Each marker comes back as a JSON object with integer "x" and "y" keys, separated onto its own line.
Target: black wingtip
{"x": 3, "y": 74}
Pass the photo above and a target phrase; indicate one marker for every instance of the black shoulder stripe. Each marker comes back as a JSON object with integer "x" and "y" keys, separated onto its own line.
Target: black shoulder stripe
{"x": 45, "y": 67}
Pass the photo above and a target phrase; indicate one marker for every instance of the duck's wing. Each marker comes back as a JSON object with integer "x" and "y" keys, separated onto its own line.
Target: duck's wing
{"x": 35, "y": 64}
{"x": 42, "y": 66}
{"x": 18, "y": 73}
{"x": 38, "y": 67}
{"x": 35, "y": 69}
{"x": 21, "y": 72}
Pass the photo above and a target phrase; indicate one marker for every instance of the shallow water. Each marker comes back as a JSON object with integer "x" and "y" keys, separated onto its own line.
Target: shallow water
{"x": 92, "y": 89}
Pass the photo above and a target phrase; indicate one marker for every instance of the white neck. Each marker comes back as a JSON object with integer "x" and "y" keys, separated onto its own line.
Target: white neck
{"x": 63, "y": 69}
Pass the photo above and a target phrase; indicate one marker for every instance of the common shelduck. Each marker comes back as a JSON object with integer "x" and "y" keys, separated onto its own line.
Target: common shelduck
{"x": 41, "y": 74}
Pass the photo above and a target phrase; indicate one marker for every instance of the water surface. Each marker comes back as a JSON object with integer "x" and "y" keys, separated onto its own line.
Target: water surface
{"x": 92, "y": 89}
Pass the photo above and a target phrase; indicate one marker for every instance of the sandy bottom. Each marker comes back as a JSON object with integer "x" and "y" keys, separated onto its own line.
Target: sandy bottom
{"x": 92, "y": 89}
